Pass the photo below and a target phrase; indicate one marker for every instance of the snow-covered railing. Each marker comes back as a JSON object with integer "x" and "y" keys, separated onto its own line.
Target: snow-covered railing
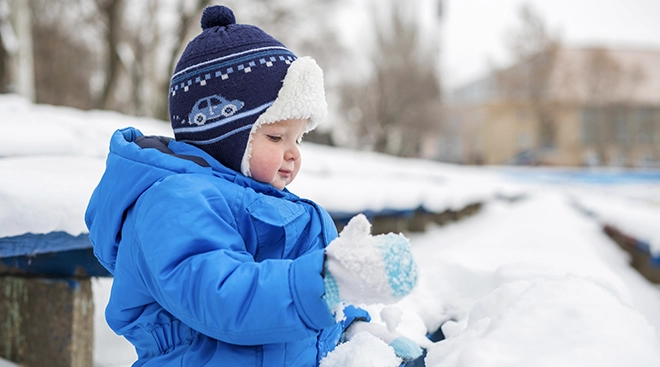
{"x": 396, "y": 194}
{"x": 407, "y": 220}
{"x": 639, "y": 251}
{"x": 631, "y": 223}
{"x": 625, "y": 206}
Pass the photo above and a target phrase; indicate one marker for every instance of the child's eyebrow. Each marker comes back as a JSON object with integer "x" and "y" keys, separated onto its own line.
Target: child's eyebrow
{"x": 271, "y": 127}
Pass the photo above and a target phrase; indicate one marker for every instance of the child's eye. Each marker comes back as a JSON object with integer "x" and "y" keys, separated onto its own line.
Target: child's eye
{"x": 274, "y": 138}
{"x": 299, "y": 141}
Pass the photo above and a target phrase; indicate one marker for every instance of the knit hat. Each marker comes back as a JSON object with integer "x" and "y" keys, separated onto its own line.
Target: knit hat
{"x": 233, "y": 78}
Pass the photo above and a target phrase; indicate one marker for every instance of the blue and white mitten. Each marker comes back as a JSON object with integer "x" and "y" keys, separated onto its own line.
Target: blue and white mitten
{"x": 361, "y": 268}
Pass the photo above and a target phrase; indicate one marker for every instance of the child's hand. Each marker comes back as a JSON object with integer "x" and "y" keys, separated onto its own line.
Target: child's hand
{"x": 361, "y": 268}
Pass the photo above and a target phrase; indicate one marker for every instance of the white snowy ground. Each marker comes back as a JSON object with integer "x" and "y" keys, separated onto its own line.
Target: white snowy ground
{"x": 528, "y": 283}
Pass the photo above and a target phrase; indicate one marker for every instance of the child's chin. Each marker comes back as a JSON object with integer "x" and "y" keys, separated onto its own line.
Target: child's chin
{"x": 279, "y": 185}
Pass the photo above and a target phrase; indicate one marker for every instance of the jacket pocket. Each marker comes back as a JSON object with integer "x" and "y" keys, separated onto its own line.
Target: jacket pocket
{"x": 278, "y": 224}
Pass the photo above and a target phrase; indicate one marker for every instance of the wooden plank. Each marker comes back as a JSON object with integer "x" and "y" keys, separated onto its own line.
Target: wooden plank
{"x": 46, "y": 322}
{"x": 56, "y": 254}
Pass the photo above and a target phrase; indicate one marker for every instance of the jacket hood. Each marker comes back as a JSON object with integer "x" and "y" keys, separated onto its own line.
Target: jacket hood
{"x": 132, "y": 167}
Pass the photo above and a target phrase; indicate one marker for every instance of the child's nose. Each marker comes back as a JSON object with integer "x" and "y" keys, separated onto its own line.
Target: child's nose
{"x": 292, "y": 153}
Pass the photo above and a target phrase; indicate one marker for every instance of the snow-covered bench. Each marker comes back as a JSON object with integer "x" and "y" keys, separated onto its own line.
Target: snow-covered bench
{"x": 47, "y": 309}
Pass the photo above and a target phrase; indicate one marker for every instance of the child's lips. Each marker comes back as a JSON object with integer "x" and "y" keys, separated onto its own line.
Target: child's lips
{"x": 285, "y": 173}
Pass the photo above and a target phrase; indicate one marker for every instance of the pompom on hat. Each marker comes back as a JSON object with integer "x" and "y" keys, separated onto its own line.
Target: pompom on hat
{"x": 233, "y": 78}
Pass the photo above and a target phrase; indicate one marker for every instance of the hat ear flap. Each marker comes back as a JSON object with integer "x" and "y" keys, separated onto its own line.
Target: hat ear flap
{"x": 302, "y": 96}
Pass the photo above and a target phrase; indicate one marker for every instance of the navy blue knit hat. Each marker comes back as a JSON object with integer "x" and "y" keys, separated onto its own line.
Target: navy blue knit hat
{"x": 233, "y": 78}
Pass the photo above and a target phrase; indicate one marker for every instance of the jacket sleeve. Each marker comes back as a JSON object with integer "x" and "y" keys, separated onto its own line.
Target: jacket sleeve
{"x": 195, "y": 264}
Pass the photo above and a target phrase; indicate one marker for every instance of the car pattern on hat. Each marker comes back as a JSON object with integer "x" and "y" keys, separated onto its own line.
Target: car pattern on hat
{"x": 212, "y": 108}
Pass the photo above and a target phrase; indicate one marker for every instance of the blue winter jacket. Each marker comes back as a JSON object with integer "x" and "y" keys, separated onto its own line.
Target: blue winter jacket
{"x": 211, "y": 268}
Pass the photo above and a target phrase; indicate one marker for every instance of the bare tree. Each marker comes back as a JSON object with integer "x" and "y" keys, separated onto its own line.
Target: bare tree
{"x": 16, "y": 51}
{"x": 89, "y": 55}
{"x": 140, "y": 45}
{"x": 400, "y": 102}
{"x": 120, "y": 55}
{"x": 110, "y": 12}
{"x": 7, "y": 46}
{"x": 64, "y": 61}
{"x": 530, "y": 81}
{"x": 609, "y": 87}
{"x": 187, "y": 20}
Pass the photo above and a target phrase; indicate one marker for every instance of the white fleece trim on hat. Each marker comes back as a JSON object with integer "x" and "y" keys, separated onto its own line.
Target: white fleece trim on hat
{"x": 302, "y": 96}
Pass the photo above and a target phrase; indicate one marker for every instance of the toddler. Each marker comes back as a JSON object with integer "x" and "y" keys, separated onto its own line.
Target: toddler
{"x": 215, "y": 262}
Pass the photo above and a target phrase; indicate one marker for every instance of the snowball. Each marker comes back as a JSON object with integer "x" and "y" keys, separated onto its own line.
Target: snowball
{"x": 392, "y": 317}
{"x": 363, "y": 350}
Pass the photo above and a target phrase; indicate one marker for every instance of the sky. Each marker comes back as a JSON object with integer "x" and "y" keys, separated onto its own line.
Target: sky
{"x": 526, "y": 282}
{"x": 474, "y": 32}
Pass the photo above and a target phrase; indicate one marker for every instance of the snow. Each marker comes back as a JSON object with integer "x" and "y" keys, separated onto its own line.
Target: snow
{"x": 527, "y": 282}
{"x": 367, "y": 181}
{"x": 352, "y": 354}
{"x": 391, "y": 316}
{"x": 538, "y": 322}
{"x": 6, "y": 363}
{"x": 51, "y": 158}
{"x": 638, "y": 217}
{"x": 473, "y": 41}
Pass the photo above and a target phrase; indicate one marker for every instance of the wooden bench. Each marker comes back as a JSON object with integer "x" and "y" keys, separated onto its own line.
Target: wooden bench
{"x": 46, "y": 303}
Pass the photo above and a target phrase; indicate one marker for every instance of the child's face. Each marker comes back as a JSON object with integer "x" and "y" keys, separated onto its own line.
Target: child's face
{"x": 275, "y": 157}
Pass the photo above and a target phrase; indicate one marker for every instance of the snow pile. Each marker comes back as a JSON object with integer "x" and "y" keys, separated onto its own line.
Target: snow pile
{"x": 364, "y": 350}
{"x": 46, "y": 194}
{"x": 548, "y": 321}
{"x": 51, "y": 158}
{"x": 536, "y": 264}
{"x": 42, "y": 130}
{"x": 540, "y": 236}
{"x": 399, "y": 320}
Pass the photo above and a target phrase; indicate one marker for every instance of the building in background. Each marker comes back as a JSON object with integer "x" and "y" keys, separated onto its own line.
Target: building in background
{"x": 567, "y": 107}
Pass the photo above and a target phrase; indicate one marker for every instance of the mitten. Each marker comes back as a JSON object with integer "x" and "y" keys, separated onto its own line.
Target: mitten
{"x": 361, "y": 268}
{"x": 404, "y": 348}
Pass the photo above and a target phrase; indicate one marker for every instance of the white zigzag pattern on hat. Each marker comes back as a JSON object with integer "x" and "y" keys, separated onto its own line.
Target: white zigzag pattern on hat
{"x": 227, "y": 57}
{"x": 217, "y": 139}
{"x": 184, "y": 83}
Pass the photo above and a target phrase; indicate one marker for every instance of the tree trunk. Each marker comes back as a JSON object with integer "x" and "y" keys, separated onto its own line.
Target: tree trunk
{"x": 111, "y": 11}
